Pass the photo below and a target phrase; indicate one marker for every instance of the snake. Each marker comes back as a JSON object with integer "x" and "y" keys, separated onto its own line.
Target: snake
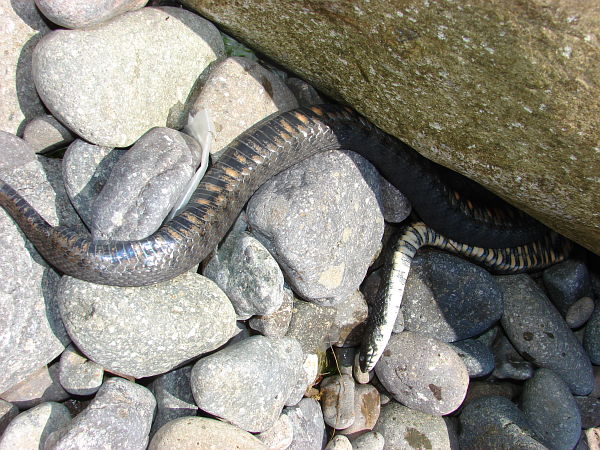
{"x": 267, "y": 148}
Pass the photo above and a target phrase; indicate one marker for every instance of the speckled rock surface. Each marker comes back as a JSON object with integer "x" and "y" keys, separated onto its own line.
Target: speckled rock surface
{"x": 309, "y": 428}
{"x": 81, "y": 13}
{"x": 108, "y": 87}
{"x": 41, "y": 386}
{"x": 46, "y": 133}
{"x": 477, "y": 357}
{"x": 193, "y": 315}
{"x": 428, "y": 74}
{"x": 8, "y": 412}
{"x": 322, "y": 222}
{"x": 247, "y": 383}
{"x": 78, "y": 375}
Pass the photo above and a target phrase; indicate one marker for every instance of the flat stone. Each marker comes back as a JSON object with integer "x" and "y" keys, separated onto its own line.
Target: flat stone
{"x": 477, "y": 357}
{"x": 404, "y": 427}
{"x": 174, "y": 321}
{"x": 45, "y": 133}
{"x": 551, "y": 410}
{"x": 509, "y": 364}
{"x": 308, "y": 424}
{"x": 449, "y": 298}
{"x": 78, "y": 375}
{"x": 366, "y": 410}
{"x": 435, "y": 382}
{"x": 70, "y": 14}
{"x": 277, "y": 323}
{"x": 322, "y": 222}
{"x": 337, "y": 401}
{"x": 539, "y": 333}
{"x": 144, "y": 185}
{"x": 41, "y": 386}
{"x": 31, "y": 428}
{"x": 579, "y": 312}
{"x": 202, "y": 432}
{"x": 496, "y": 422}
{"x": 24, "y": 26}
{"x": 238, "y": 93}
{"x": 86, "y": 167}
{"x": 248, "y": 383}
{"x": 119, "y": 417}
{"x": 566, "y": 283}
{"x": 109, "y": 91}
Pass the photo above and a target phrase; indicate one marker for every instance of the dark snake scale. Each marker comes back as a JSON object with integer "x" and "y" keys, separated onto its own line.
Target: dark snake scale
{"x": 264, "y": 150}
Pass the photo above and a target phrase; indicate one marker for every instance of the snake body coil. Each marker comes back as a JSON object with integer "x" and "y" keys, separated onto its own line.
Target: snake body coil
{"x": 264, "y": 150}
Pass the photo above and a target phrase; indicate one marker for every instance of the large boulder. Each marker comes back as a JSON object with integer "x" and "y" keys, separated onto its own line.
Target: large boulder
{"x": 507, "y": 93}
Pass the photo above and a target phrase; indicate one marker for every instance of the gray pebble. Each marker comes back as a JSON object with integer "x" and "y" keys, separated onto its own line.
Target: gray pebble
{"x": 566, "y": 283}
{"x": 203, "y": 433}
{"x": 144, "y": 185}
{"x": 174, "y": 321}
{"x": 277, "y": 323}
{"x": 591, "y": 337}
{"x": 45, "y": 133}
{"x": 540, "y": 334}
{"x": 396, "y": 206}
{"x": 306, "y": 380}
{"x": 174, "y": 397}
{"x": 371, "y": 440}
{"x": 238, "y": 93}
{"x": 8, "y": 412}
{"x": 311, "y": 325}
{"x": 309, "y": 427}
{"x": 589, "y": 410}
{"x": 280, "y": 435}
{"x": 366, "y": 410}
{"x": 551, "y": 410}
{"x": 248, "y": 274}
{"x": 496, "y": 422}
{"x": 339, "y": 442}
{"x": 119, "y": 417}
{"x": 248, "y": 383}
{"x": 337, "y": 401}
{"x": 579, "y": 312}
{"x": 477, "y": 357}
{"x": 509, "y": 364}
{"x": 492, "y": 388}
{"x": 449, "y": 298}
{"x": 436, "y": 382}
{"x": 30, "y": 429}
{"x": 322, "y": 222}
{"x": 304, "y": 92}
{"x": 86, "y": 167}
{"x": 404, "y": 427}
{"x": 78, "y": 375}
{"x": 348, "y": 325}
{"x": 111, "y": 92}
{"x": 41, "y": 386}
{"x": 70, "y": 14}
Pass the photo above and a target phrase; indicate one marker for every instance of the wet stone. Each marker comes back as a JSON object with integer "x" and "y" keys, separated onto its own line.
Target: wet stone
{"x": 41, "y": 386}
{"x": 509, "y": 364}
{"x": 540, "y": 334}
{"x": 434, "y": 383}
{"x": 551, "y": 410}
{"x": 45, "y": 133}
{"x": 566, "y": 283}
{"x": 248, "y": 383}
{"x": 144, "y": 185}
{"x": 579, "y": 312}
{"x": 119, "y": 417}
{"x": 337, "y": 401}
{"x": 449, "y": 298}
{"x": 78, "y": 375}
{"x": 477, "y": 357}
{"x": 366, "y": 410}
{"x": 31, "y": 428}
{"x": 589, "y": 410}
{"x": 86, "y": 167}
{"x": 496, "y": 422}
{"x": 200, "y": 433}
{"x": 308, "y": 424}
{"x": 403, "y": 427}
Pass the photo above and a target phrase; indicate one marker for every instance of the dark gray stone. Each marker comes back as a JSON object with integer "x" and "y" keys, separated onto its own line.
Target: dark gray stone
{"x": 78, "y": 375}
{"x": 174, "y": 397}
{"x": 119, "y": 417}
{"x": 589, "y": 410}
{"x": 550, "y": 408}
{"x": 144, "y": 185}
{"x": 579, "y": 312}
{"x": 152, "y": 329}
{"x": 31, "y": 428}
{"x": 396, "y": 206}
{"x": 404, "y": 427}
{"x": 492, "y": 388}
{"x": 248, "y": 383}
{"x": 45, "y": 133}
{"x": 566, "y": 283}
{"x": 477, "y": 357}
{"x": 449, "y": 298}
{"x": 496, "y": 422}
{"x": 509, "y": 364}
{"x": 322, "y": 222}
{"x": 540, "y": 334}
{"x": 308, "y": 424}
{"x": 348, "y": 325}
{"x": 69, "y": 14}
{"x": 436, "y": 382}
{"x": 311, "y": 325}
{"x": 344, "y": 359}
{"x": 337, "y": 401}
{"x": 591, "y": 336}
{"x": 86, "y": 167}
